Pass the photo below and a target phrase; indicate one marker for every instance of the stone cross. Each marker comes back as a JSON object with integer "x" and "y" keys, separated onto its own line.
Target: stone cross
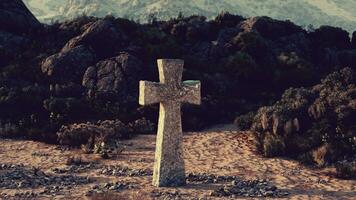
{"x": 170, "y": 92}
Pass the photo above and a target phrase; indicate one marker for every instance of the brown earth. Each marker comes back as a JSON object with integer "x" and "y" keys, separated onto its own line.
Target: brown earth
{"x": 215, "y": 151}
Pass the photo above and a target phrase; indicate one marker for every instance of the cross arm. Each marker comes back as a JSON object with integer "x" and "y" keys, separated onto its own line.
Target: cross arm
{"x": 150, "y": 92}
{"x": 192, "y": 92}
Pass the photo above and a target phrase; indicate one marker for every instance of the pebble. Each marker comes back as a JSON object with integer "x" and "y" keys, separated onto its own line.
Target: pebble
{"x": 113, "y": 187}
{"x": 75, "y": 169}
{"x": 21, "y": 177}
{"x": 124, "y": 171}
{"x": 235, "y": 186}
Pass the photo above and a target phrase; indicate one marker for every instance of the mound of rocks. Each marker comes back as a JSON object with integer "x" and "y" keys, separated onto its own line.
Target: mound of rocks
{"x": 102, "y": 36}
{"x": 21, "y": 177}
{"x": 16, "y": 18}
{"x": 255, "y": 188}
{"x": 109, "y": 187}
{"x": 124, "y": 171}
{"x": 68, "y": 65}
{"x": 119, "y": 74}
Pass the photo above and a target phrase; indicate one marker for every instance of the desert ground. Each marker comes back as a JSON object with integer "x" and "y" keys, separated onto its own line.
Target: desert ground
{"x": 220, "y": 151}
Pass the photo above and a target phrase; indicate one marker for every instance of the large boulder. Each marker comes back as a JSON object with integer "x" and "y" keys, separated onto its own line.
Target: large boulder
{"x": 269, "y": 28}
{"x": 69, "y": 65}
{"x": 10, "y": 45}
{"x": 117, "y": 74}
{"x": 16, "y": 18}
{"x": 330, "y": 37}
{"x": 102, "y": 36}
{"x": 353, "y": 42}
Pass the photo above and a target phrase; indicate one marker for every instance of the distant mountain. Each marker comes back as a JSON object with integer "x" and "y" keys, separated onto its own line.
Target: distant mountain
{"x": 340, "y": 13}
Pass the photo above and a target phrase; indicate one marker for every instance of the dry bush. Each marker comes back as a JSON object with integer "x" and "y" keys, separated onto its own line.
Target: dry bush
{"x": 315, "y": 124}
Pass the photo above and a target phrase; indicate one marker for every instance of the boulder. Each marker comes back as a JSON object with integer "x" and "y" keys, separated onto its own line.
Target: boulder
{"x": 226, "y": 19}
{"x": 353, "y": 42}
{"x": 16, "y": 18}
{"x": 330, "y": 37}
{"x": 270, "y": 28}
{"x": 114, "y": 74}
{"x": 10, "y": 45}
{"x": 68, "y": 65}
{"x": 102, "y": 36}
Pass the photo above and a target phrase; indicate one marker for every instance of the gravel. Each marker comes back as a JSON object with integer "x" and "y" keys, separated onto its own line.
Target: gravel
{"x": 233, "y": 186}
{"x": 75, "y": 169}
{"x": 109, "y": 187}
{"x": 124, "y": 171}
{"x": 22, "y": 177}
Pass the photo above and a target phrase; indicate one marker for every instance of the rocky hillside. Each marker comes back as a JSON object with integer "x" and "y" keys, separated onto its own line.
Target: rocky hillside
{"x": 338, "y": 13}
{"x": 87, "y": 69}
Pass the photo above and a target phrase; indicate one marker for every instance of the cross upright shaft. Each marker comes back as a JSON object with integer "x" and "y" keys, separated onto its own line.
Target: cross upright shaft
{"x": 170, "y": 93}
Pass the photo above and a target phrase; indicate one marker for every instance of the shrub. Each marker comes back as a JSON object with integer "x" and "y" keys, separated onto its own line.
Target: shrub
{"x": 317, "y": 120}
{"x": 346, "y": 169}
{"x": 94, "y": 134}
{"x": 244, "y": 122}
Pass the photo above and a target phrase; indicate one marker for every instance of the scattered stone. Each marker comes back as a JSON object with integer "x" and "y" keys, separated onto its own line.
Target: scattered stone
{"x": 20, "y": 177}
{"x": 249, "y": 188}
{"x": 75, "y": 169}
{"x": 156, "y": 194}
{"x": 124, "y": 171}
{"x": 208, "y": 178}
{"x": 109, "y": 187}
{"x": 39, "y": 154}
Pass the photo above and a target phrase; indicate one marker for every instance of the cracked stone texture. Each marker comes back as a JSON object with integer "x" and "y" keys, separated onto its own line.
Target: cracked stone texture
{"x": 170, "y": 92}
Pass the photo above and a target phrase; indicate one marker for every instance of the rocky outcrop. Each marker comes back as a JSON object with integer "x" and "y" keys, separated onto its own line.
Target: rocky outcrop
{"x": 16, "y": 18}
{"x": 102, "y": 36}
{"x": 353, "y": 42}
{"x": 68, "y": 65}
{"x": 270, "y": 28}
{"x": 117, "y": 74}
{"x": 330, "y": 37}
{"x": 11, "y": 45}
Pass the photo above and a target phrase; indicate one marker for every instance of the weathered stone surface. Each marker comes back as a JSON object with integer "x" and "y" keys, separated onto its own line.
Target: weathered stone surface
{"x": 16, "y": 18}
{"x": 11, "y": 44}
{"x": 113, "y": 74}
{"x": 353, "y": 41}
{"x": 170, "y": 93}
{"x": 101, "y": 36}
{"x": 270, "y": 28}
{"x": 69, "y": 64}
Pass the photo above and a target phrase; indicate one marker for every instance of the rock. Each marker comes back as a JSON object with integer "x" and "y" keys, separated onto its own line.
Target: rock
{"x": 102, "y": 36}
{"x": 124, "y": 171}
{"x": 353, "y": 41}
{"x": 110, "y": 186}
{"x": 248, "y": 188}
{"x": 331, "y": 37}
{"x": 226, "y": 19}
{"x": 11, "y": 44}
{"x": 16, "y": 18}
{"x": 68, "y": 65}
{"x": 270, "y": 28}
{"x": 118, "y": 74}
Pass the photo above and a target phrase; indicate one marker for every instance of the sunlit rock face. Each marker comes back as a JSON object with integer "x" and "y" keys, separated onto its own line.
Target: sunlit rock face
{"x": 304, "y": 12}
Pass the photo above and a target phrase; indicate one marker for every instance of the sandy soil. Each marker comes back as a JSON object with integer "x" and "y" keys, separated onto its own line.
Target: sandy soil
{"x": 214, "y": 151}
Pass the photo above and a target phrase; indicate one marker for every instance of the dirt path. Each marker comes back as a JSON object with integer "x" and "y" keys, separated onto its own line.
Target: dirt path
{"x": 211, "y": 152}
